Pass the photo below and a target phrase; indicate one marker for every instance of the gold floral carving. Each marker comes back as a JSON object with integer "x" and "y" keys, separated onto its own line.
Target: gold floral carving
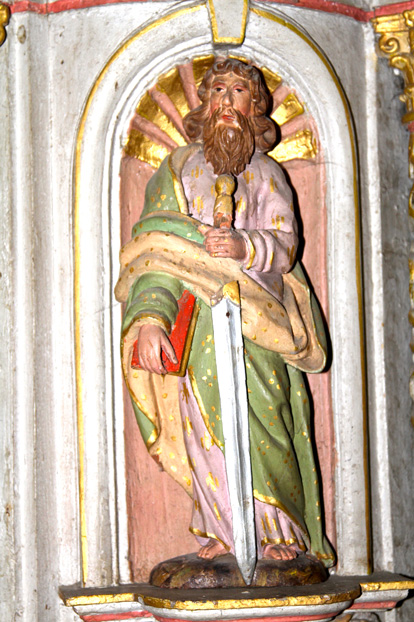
{"x": 4, "y": 20}
{"x": 396, "y": 43}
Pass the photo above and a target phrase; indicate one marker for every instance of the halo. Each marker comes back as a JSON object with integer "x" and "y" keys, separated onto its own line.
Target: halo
{"x": 157, "y": 125}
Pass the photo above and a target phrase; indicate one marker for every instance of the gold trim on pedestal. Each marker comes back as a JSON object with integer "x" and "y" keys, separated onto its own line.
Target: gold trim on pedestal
{"x": 4, "y": 20}
{"x": 396, "y": 43}
{"x": 334, "y": 590}
{"x": 382, "y": 586}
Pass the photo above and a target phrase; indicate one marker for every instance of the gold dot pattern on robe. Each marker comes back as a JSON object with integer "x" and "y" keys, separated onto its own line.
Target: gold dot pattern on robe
{"x": 273, "y": 185}
{"x": 241, "y": 205}
{"x": 206, "y": 441}
{"x": 185, "y": 393}
{"x": 188, "y": 426}
{"x": 212, "y": 482}
{"x": 198, "y": 204}
{"x": 248, "y": 176}
{"x": 278, "y": 222}
{"x": 197, "y": 172}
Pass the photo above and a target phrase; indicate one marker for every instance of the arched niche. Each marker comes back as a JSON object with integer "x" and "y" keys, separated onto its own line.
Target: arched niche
{"x": 176, "y": 37}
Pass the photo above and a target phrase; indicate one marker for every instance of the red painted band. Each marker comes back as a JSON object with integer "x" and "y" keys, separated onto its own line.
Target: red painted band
{"x": 326, "y": 6}
{"x": 385, "y": 604}
{"x": 61, "y": 5}
{"x": 359, "y": 15}
{"x": 390, "y": 9}
{"x": 112, "y": 617}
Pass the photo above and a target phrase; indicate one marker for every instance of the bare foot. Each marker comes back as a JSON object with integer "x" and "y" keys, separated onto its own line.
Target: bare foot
{"x": 279, "y": 552}
{"x": 212, "y": 549}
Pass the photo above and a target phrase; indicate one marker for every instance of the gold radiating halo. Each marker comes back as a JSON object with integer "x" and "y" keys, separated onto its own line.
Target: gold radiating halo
{"x": 156, "y": 128}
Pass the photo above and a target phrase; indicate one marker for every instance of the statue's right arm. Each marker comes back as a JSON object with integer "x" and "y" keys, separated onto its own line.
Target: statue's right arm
{"x": 152, "y": 309}
{"x": 152, "y": 340}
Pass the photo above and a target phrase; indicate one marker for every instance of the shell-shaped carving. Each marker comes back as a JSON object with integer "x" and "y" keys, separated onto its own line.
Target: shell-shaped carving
{"x": 157, "y": 126}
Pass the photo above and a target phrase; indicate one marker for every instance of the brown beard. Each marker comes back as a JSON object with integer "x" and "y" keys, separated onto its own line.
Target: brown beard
{"x": 228, "y": 149}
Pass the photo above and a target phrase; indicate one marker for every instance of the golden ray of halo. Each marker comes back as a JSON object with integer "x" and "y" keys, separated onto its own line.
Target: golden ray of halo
{"x": 288, "y": 110}
{"x": 200, "y": 66}
{"x": 300, "y": 146}
{"x": 170, "y": 84}
{"x": 150, "y": 110}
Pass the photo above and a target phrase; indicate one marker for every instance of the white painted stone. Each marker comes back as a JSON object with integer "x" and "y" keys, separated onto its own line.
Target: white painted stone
{"x": 254, "y": 612}
{"x": 7, "y": 357}
{"x": 227, "y": 20}
{"x": 49, "y": 64}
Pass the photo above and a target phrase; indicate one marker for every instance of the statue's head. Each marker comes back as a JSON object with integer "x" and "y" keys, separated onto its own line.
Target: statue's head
{"x": 232, "y": 119}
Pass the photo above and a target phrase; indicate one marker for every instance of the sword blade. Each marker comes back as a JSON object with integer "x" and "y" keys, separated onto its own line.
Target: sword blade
{"x": 231, "y": 375}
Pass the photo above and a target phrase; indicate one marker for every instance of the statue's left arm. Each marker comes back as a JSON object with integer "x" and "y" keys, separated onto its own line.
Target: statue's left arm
{"x": 271, "y": 233}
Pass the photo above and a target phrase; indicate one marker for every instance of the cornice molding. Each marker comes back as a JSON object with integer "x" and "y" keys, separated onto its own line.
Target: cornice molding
{"x": 323, "y": 6}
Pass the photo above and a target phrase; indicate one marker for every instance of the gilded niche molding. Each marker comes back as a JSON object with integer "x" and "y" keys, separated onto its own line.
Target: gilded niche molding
{"x": 4, "y": 20}
{"x": 396, "y": 43}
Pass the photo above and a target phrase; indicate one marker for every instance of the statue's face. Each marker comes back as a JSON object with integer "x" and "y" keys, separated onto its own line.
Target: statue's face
{"x": 230, "y": 92}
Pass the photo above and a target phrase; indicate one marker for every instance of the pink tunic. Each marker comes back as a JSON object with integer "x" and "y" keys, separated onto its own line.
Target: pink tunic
{"x": 264, "y": 216}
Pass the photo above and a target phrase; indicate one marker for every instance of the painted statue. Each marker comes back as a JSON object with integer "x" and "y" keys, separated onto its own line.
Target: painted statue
{"x": 179, "y": 247}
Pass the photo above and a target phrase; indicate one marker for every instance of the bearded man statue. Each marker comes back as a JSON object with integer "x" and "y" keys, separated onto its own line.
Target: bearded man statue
{"x": 175, "y": 247}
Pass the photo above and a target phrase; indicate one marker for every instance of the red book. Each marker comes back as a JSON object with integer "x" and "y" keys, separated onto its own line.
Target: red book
{"x": 180, "y": 337}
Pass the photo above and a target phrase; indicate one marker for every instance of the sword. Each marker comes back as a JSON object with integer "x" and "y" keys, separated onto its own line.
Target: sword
{"x": 231, "y": 373}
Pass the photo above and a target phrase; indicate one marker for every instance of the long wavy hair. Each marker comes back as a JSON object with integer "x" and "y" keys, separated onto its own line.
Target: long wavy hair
{"x": 264, "y": 128}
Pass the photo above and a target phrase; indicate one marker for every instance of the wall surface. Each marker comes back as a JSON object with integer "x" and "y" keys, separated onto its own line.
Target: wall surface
{"x": 63, "y": 489}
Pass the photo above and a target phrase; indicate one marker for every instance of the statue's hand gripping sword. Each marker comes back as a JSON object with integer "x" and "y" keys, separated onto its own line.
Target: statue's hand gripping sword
{"x": 231, "y": 373}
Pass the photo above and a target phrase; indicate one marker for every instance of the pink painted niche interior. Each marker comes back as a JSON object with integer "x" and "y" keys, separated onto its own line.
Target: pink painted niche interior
{"x": 158, "y": 508}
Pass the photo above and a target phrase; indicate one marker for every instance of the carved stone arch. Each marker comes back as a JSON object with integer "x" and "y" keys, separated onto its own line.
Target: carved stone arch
{"x": 274, "y": 41}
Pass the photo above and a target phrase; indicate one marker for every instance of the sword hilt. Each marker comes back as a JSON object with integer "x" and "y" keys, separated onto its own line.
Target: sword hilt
{"x": 223, "y": 207}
